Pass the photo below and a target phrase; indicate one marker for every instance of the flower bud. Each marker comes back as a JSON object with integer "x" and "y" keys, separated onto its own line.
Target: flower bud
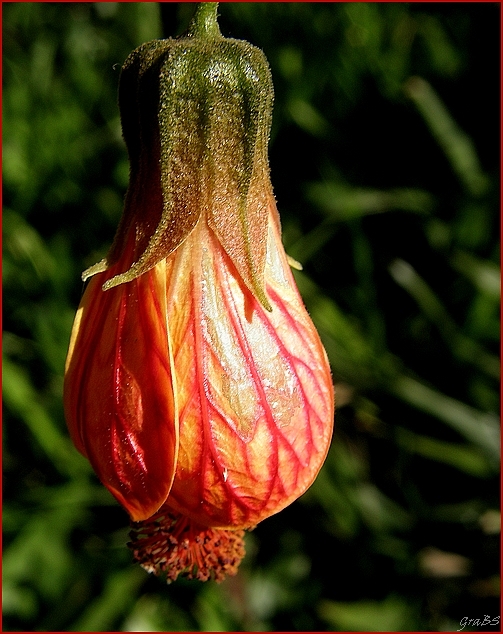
{"x": 196, "y": 116}
{"x": 196, "y": 383}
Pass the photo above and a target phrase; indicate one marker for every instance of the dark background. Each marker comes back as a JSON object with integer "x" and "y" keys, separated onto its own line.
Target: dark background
{"x": 384, "y": 158}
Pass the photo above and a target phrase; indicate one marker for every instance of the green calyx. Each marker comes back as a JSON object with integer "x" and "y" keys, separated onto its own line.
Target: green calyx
{"x": 196, "y": 115}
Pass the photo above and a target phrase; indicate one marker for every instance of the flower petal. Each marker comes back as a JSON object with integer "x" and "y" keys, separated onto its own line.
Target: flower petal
{"x": 119, "y": 394}
{"x": 255, "y": 390}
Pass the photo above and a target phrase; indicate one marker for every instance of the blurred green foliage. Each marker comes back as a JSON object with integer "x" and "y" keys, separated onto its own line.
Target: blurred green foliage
{"x": 384, "y": 157}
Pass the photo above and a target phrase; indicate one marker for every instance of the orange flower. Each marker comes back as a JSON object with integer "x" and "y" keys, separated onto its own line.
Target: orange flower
{"x": 196, "y": 383}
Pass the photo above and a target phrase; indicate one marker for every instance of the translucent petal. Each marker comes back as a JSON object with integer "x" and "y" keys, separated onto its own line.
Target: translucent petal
{"x": 119, "y": 395}
{"x": 254, "y": 387}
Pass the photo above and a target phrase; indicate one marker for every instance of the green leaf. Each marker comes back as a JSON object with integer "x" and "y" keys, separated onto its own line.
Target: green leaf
{"x": 21, "y": 398}
{"x": 465, "y": 458}
{"x": 393, "y": 614}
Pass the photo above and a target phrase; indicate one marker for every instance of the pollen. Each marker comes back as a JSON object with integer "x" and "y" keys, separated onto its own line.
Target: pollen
{"x": 171, "y": 544}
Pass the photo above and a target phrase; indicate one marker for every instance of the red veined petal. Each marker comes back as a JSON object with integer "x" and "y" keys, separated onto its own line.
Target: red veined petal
{"x": 119, "y": 394}
{"x": 254, "y": 387}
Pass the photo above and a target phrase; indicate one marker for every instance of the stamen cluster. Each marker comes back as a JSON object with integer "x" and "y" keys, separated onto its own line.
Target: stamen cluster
{"x": 172, "y": 544}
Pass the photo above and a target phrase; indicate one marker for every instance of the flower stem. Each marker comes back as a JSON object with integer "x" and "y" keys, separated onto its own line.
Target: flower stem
{"x": 204, "y": 23}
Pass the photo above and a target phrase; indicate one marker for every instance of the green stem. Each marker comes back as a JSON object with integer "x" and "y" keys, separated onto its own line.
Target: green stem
{"x": 204, "y": 23}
